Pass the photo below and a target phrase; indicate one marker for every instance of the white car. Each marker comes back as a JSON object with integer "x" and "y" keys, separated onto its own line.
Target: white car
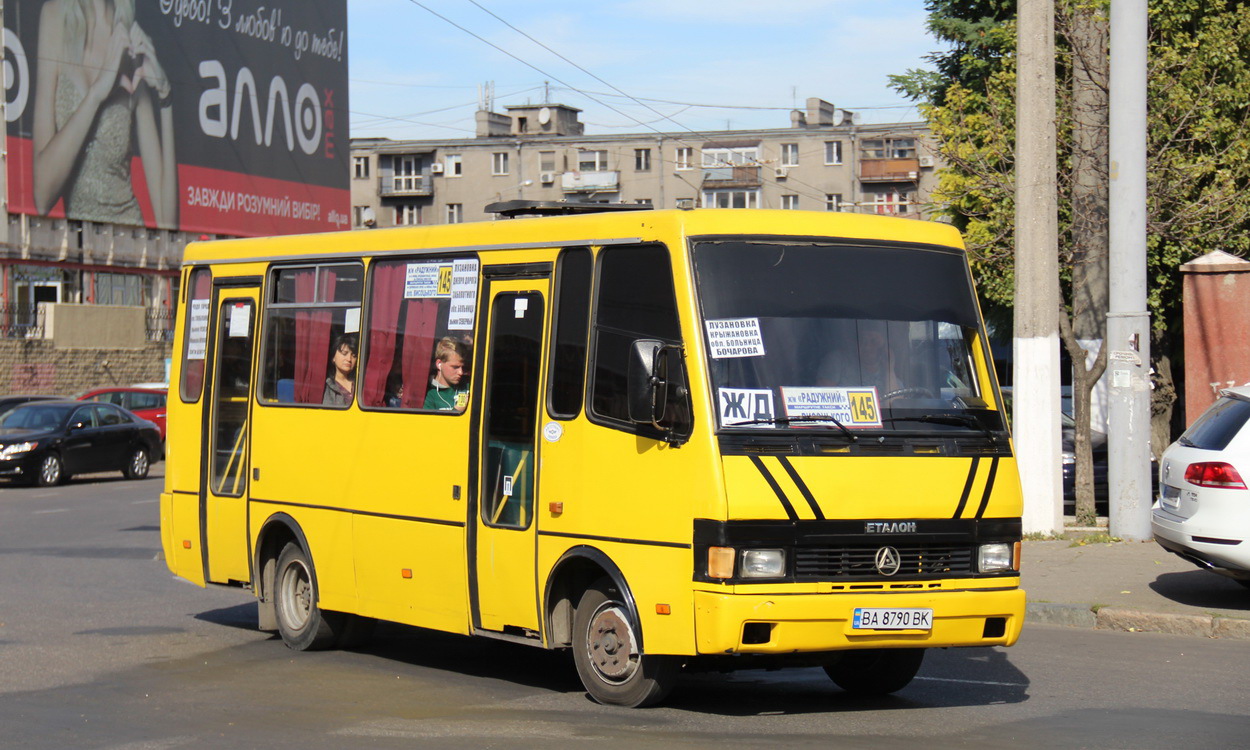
{"x": 1203, "y": 509}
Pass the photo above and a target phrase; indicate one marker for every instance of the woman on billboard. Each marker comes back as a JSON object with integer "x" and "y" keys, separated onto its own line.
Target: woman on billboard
{"x": 98, "y": 84}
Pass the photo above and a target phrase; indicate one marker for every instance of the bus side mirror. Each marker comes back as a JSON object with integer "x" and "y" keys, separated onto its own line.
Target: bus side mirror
{"x": 644, "y": 383}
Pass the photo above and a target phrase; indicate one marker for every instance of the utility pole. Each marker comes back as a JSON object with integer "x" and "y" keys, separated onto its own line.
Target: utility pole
{"x": 1128, "y": 323}
{"x": 1036, "y": 405}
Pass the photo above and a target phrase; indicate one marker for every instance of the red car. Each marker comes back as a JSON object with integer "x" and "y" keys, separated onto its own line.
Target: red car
{"x": 148, "y": 403}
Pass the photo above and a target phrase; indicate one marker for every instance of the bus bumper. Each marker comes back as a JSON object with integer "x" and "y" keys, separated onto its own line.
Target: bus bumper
{"x": 783, "y": 624}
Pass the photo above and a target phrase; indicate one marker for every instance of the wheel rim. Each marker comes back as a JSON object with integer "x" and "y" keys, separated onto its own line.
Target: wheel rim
{"x": 295, "y": 595}
{"x": 50, "y": 470}
{"x": 139, "y": 463}
{"x": 610, "y": 644}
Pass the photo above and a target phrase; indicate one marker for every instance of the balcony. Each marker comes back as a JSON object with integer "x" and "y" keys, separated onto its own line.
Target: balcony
{"x": 731, "y": 177}
{"x": 590, "y": 182}
{"x": 407, "y": 185}
{"x": 889, "y": 170}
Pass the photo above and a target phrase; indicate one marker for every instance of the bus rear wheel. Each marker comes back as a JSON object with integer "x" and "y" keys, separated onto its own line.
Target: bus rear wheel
{"x": 612, "y": 667}
{"x": 876, "y": 671}
{"x": 304, "y": 626}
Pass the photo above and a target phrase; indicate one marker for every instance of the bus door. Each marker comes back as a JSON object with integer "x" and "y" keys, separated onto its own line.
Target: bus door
{"x": 502, "y": 547}
{"x": 225, "y": 433}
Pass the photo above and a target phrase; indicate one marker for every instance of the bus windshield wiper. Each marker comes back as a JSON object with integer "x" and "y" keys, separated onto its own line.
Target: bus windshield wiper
{"x": 795, "y": 420}
{"x": 958, "y": 420}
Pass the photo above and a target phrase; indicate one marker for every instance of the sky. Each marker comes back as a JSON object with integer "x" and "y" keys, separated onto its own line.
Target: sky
{"x": 418, "y": 68}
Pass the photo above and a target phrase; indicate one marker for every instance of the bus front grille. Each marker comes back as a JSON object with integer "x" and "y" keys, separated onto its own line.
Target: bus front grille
{"x": 860, "y": 561}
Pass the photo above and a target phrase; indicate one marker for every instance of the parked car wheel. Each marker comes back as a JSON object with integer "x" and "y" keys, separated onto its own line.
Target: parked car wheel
{"x": 50, "y": 471}
{"x": 138, "y": 465}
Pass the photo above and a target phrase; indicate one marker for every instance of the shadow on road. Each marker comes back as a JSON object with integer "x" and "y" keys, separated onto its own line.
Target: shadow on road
{"x": 1199, "y": 588}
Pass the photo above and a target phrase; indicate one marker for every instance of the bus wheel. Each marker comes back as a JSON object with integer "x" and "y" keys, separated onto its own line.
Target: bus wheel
{"x": 605, "y": 648}
{"x": 876, "y": 671}
{"x": 303, "y": 625}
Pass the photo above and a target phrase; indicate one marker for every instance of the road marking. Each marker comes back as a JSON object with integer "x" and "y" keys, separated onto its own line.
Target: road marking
{"x": 53, "y": 510}
{"x": 973, "y": 682}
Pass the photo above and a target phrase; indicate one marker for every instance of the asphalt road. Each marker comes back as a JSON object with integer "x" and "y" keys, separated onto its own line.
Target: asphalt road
{"x": 100, "y": 647}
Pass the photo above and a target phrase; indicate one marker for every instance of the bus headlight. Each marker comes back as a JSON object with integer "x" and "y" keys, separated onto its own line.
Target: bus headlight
{"x": 763, "y": 563}
{"x": 992, "y": 558}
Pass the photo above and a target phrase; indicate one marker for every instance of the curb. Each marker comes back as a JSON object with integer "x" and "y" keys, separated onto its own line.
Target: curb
{"x": 1128, "y": 620}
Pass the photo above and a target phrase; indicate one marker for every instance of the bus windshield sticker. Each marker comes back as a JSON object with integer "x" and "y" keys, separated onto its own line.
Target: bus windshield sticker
{"x": 427, "y": 280}
{"x": 463, "y": 295}
{"x": 197, "y": 346}
{"x": 735, "y": 337}
{"x": 351, "y": 322}
{"x": 746, "y": 407}
{"x": 853, "y": 407}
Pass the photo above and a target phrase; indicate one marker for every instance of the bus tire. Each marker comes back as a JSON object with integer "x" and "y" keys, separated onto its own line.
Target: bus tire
{"x": 605, "y": 649}
{"x": 878, "y": 671}
{"x": 303, "y": 625}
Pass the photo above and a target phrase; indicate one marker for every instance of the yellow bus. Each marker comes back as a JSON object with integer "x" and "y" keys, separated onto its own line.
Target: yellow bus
{"x": 664, "y": 440}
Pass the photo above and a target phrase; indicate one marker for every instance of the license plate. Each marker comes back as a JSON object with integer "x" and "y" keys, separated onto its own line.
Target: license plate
{"x": 1170, "y": 497}
{"x": 890, "y": 618}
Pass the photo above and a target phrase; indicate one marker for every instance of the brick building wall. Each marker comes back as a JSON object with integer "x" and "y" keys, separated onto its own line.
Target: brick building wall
{"x": 37, "y": 366}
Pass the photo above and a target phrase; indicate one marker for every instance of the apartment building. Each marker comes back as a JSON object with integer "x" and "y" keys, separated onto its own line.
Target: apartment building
{"x": 824, "y": 161}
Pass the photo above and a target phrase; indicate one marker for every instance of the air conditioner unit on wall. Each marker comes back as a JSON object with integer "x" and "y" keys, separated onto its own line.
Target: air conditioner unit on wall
{"x": 926, "y": 161}
{"x": 547, "y": 178}
{"x": 781, "y": 173}
{"x": 436, "y": 168}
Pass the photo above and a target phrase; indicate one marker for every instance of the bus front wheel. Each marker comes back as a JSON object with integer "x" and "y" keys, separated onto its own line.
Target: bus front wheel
{"x": 609, "y": 662}
{"x": 876, "y": 671}
{"x": 304, "y": 626}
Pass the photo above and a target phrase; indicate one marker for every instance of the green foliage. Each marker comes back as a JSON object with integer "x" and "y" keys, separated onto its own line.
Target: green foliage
{"x": 1198, "y": 130}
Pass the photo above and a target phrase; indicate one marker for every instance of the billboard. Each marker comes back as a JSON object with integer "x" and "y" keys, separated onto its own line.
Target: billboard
{"x": 219, "y": 116}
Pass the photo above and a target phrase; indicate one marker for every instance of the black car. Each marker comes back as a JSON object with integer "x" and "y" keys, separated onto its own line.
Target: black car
{"x": 46, "y": 442}
{"x": 9, "y": 403}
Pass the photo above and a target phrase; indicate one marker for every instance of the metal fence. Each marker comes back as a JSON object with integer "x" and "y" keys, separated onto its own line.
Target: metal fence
{"x": 160, "y": 325}
{"x": 21, "y": 321}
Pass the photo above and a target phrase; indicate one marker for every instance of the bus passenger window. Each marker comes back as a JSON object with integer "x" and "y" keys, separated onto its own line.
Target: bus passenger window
{"x": 310, "y": 310}
{"x": 420, "y": 315}
{"x": 635, "y": 301}
{"x": 195, "y": 337}
{"x": 572, "y": 312}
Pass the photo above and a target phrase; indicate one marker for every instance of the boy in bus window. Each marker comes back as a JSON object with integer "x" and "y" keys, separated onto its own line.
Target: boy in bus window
{"x": 342, "y": 381}
{"x": 449, "y": 388}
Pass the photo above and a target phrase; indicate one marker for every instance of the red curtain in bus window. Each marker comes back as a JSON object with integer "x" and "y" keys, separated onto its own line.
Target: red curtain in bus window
{"x": 387, "y": 293}
{"x": 312, "y": 337}
{"x": 418, "y": 350}
{"x": 193, "y": 369}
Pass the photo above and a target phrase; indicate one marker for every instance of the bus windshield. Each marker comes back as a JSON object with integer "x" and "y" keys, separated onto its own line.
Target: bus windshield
{"x": 804, "y": 334}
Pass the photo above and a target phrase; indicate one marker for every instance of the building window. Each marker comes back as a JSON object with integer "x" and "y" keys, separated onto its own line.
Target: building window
{"x": 789, "y": 154}
{"x": 546, "y": 161}
{"x": 643, "y": 201}
{"x": 833, "y": 152}
{"x": 455, "y": 212}
{"x": 118, "y": 289}
{"x": 407, "y": 173}
{"x": 738, "y": 156}
{"x": 360, "y": 167}
{"x": 731, "y": 198}
{"x": 592, "y": 161}
{"x": 642, "y": 160}
{"x": 683, "y": 157}
{"x": 362, "y": 216}
{"x": 499, "y": 162}
{"x": 889, "y": 203}
{"x": 453, "y": 166}
{"x": 407, "y": 214}
{"x": 890, "y": 148}
{"x": 790, "y": 202}
{"x": 833, "y": 201}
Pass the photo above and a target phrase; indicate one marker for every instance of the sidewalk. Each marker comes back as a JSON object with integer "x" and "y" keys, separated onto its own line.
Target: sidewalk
{"x": 1135, "y": 586}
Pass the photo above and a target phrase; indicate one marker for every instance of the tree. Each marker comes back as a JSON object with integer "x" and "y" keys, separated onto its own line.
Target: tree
{"x": 1197, "y": 166}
